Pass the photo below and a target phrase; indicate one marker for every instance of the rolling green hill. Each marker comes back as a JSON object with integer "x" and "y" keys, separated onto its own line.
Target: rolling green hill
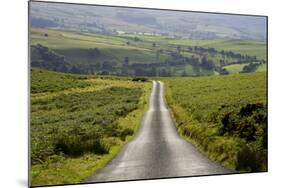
{"x": 140, "y": 55}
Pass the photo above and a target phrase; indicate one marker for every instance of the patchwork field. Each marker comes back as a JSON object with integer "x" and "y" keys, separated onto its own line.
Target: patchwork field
{"x": 141, "y": 55}
{"x": 225, "y": 116}
{"x": 246, "y": 47}
{"x": 78, "y": 123}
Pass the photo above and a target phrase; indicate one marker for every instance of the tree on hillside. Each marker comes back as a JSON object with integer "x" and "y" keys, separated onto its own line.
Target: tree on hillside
{"x": 136, "y": 39}
{"x": 207, "y": 64}
{"x": 250, "y": 68}
{"x": 92, "y": 69}
{"x": 106, "y": 66}
{"x": 74, "y": 69}
{"x": 196, "y": 70}
{"x": 126, "y": 61}
{"x": 194, "y": 61}
{"x": 222, "y": 62}
{"x": 140, "y": 72}
{"x": 212, "y": 50}
{"x": 223, "y": 71}
{"x": 164, "y": 72}
{"x": 153, "y": 71}
{"x": 184, "y": 73}
{"x": 94, "y": 52}
{"x": 43, "y": 57}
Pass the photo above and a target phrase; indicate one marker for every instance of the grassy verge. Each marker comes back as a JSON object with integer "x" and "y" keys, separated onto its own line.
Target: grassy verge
{"x": 225, "y": 117}
{"x": 74, "y": 170}
{"x": 77, "y": 130}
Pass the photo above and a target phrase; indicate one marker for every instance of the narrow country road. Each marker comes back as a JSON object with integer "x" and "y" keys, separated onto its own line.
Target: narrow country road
{"x": 157, "y": 151}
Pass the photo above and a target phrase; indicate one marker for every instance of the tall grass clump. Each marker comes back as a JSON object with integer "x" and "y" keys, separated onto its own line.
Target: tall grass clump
{"x": 74, "y": 124}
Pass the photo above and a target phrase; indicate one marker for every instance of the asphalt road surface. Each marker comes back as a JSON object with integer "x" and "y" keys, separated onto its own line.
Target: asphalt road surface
{"x": 157, "y": 151}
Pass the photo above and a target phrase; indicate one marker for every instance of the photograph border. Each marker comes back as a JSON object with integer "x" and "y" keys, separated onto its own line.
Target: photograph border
{"x": 131, "y": 7}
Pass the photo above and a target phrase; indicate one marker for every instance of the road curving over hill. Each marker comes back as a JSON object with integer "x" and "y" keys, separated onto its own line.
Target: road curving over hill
{"x": 157, "y": 150}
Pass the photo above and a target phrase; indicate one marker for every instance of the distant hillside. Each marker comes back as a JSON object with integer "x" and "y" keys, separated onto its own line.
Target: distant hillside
{"x": 169, "y": 23}
{"x": 140, "y": 55}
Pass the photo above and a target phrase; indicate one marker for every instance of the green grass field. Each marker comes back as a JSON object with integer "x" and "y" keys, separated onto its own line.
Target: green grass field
{"x": 225, "y": 116}
{"x": 234, "y": 69}
{"x": 74, "y": 46}
{"x": 262, "y": 68}
{"x": 78, "y": 123}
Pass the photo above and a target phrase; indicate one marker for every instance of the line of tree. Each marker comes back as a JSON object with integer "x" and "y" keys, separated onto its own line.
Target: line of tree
{"x": 44, "y": 57}
{"x": 251, "y": 67}
{"x": 225, "y": 54}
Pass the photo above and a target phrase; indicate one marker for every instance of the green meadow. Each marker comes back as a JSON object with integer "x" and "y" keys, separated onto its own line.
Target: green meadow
{"x": 78, "y": 123}
{"x": 225, "y": 116}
